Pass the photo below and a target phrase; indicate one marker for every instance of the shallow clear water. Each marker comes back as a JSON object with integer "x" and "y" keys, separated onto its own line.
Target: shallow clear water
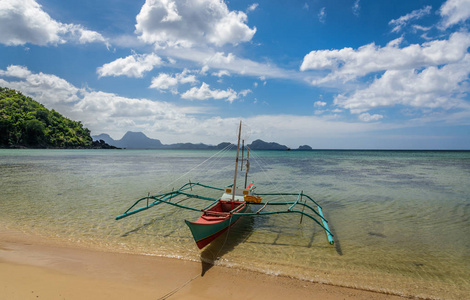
{"x": 401, "y": 218}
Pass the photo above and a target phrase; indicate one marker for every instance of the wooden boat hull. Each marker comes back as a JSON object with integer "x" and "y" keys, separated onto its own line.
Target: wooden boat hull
{"x": 215, "y": 221}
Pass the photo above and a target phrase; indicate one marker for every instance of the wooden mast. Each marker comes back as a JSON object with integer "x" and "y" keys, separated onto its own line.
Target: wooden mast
{"x": 236, "y": 163}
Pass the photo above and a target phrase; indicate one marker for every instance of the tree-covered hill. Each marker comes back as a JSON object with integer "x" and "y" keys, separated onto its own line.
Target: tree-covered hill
{"x": 25, "y": 122}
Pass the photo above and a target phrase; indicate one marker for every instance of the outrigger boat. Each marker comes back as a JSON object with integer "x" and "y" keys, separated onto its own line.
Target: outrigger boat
{"x": 225, "y": 211}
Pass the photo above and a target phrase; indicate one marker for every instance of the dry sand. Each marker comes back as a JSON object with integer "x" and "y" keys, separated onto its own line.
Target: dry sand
{"x": 34, "y": 268}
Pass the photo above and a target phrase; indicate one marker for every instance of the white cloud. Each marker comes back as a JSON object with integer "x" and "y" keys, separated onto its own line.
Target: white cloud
{"x": 204, "y": 93}
{"x": 187, "y": 23}
{"x": 245, "y": 92}
{"x": 89, "y": 36}
{"x": 134, "y": 65}
{"x": 232, "y": 63}
{"x": 113, "y": 114}
{"x": 432, "y": 88}
{"x": 356, "y": 8}
{"x": 99, "y": 111}
{"x": 252, "y": 7}
{"x": 402, "y": 21}
{"x": 366, "y": 117}
{"x": 221, "y": 73}
{"x": 16, "y": 71}
{"x": 24, "y": 21}
{"x": 165, "y": 81}
{"x": 204, "y": 70}
{"x": 109, "y": 105}
{"x": 454, "y": 12}
{"x": 421, "y": 28}
{"x": 319, "y": 104}
{"x": 428, "y": 78}
{"x": 322, "y": 15}
{"x": 348, "y": 64}
{"x": 45, "y": 88}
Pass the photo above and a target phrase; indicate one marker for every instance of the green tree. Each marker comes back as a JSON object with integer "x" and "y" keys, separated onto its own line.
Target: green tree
{"x": 25, "y": 122}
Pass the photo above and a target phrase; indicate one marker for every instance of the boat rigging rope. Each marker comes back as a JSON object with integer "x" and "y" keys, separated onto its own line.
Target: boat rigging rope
{"x": 228, "y": 147}
{"x": 168, "y": 295}
{"x": 259, "y": 162}
{"x": 226, "y": 237}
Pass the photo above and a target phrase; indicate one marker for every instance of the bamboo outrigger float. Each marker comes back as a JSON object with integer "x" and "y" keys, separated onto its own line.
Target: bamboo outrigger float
{"x": 223, "y": 212}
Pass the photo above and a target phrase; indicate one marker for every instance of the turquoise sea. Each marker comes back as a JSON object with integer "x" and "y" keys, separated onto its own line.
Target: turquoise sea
{"x": 401, "y": 218}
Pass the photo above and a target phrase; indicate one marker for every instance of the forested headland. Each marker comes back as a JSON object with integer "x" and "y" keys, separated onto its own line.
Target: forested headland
{"x": 27, "y": 123}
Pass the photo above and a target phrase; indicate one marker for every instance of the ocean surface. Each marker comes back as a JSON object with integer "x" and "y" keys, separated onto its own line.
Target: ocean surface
{"x": 401, "y": 219}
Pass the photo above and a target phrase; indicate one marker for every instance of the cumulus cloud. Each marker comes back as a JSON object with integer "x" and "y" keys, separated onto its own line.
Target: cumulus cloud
{"x": 252, "y": 7}
{"x": 366, "y": 117}
{"x": 431, "y": 76}
{"x": 454, "y": 12}
{"x": 111, "y": 113}
{"x": 99, "y": 111}
{"x": 134, "y": 65}
{"x": 115, "y": 115}
{"x": 319, "y": 104}
{"x": 244, "y": 93}
{"x": 221, "y": 73}
{"x": 166, "y": 81}
{"x": 45, "y": 88}
{"x": 204, "y": 93}
{"x": 87, "y": 36}
{"x": 110, "y": 105}
{"x": 348, "y": 64}
{"x": 402, "y": 21}
{"x": 232, "y": 63}
{"x": 186, "y": 23}
{"x": 163, "y": 82}
{"x": 433, "y": 88}
{"x": 24, "y": 21}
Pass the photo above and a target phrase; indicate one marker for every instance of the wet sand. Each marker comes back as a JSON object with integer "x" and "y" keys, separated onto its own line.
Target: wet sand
{"x": 36, "y": 268}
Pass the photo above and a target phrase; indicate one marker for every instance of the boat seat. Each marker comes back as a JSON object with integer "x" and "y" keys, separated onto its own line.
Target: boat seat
{"x": 211, "y": 218}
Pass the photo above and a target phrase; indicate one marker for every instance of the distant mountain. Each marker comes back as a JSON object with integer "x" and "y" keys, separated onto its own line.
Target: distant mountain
{"x": 262, "y": 145}
{"x": 131, "y": 140}
{"x": 199, "y": 146}
{"x": 105, "y": 137}
{"x": 138, "y": 140}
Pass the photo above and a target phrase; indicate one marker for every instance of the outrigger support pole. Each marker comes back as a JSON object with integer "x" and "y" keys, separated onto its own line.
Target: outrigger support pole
{"x": 325, "y": 225}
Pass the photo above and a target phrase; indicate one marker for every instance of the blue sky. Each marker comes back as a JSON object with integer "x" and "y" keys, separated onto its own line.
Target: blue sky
{"x": 328, "y": 73}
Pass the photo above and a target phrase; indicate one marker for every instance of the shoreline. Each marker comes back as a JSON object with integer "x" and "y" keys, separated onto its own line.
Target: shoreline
{"x": 35, "y": 268}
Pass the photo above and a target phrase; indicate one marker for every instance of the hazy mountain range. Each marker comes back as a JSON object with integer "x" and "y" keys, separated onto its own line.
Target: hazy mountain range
{"x": 138, "y": 140}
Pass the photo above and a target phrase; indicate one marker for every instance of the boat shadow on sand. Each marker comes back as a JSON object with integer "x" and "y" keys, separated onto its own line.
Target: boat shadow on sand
{"x": 235, "y": 235}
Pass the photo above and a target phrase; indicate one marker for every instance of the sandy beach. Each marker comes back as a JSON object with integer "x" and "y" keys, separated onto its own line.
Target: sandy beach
{"x": 36, "y": 268}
